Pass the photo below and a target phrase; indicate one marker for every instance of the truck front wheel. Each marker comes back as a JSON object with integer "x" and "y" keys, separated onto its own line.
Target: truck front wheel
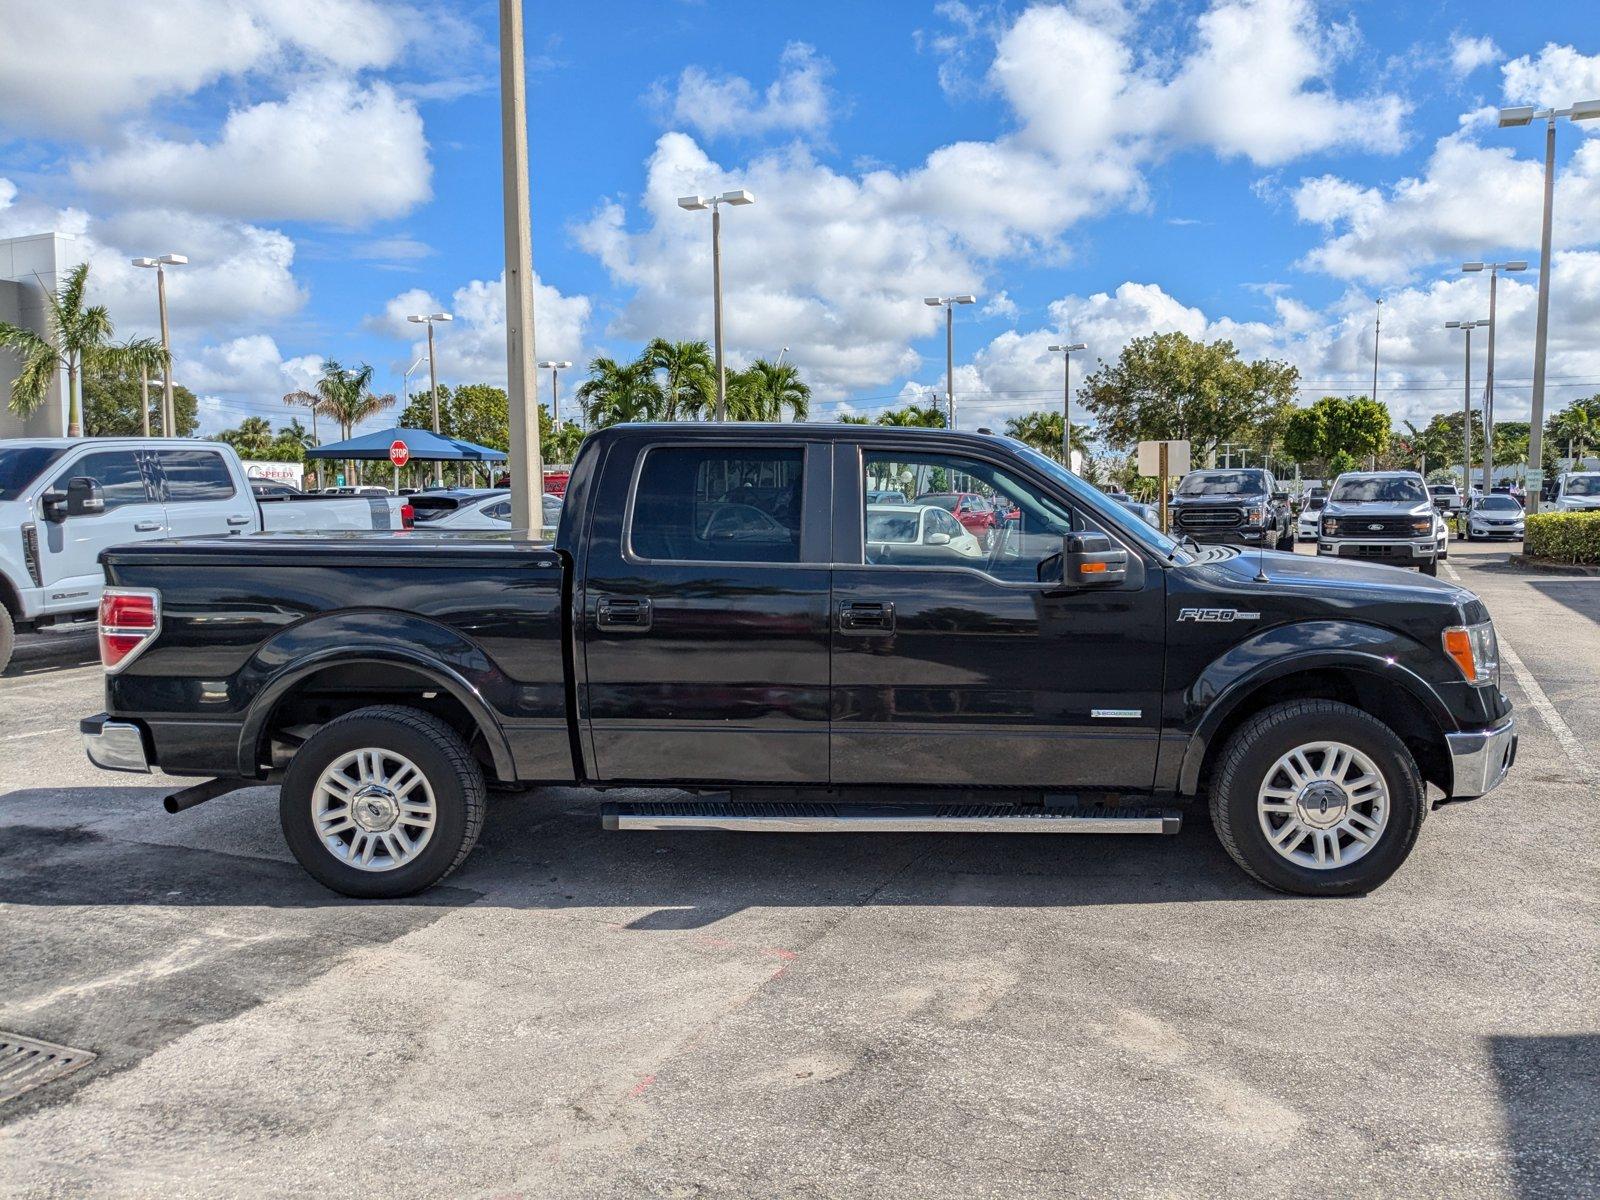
{"x": 382, "y": 802}
{"x": 1318, "y": 798}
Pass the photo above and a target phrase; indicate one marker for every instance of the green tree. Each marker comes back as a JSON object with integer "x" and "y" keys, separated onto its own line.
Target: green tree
{"x": 344, "y": 395}
{"x": 763, "y": 391}
{"x": 617, "y": 392}
{"x": 1343, "y": 430}
{"x": 80, "y": 337}
{"x": 1167, "y": 386}
{"x": 252, "y": 438}
{"x": 921, "y": 416}
{"x": 1042, "y": 431}
{"x": 290, "y": 444}
{"x": 1575, "y": 430}
{"x": 689, "y": 386}
{"x": 111, "y": 401}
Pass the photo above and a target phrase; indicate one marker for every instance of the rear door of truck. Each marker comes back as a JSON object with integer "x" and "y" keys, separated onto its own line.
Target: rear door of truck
{"x": 205, "y": 495}
{"x": 704, "y": 609}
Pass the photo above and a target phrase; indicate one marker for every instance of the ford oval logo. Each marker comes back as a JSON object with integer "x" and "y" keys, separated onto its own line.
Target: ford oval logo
{"x": 1374, "y": 528}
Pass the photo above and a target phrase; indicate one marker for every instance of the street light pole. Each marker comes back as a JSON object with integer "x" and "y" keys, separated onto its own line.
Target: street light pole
{"x": 1466, "y": 406}
{"x": 949, "y": 303}
{"x": 555, "y": 369}
{"x": 169, "y": 420}
{"x": 1377, "y": 334}
{"x": 715, "y": 203}
{"x": 1511, "y": 117}
{"x": 433, "y": 379}
{"x": 1066, "y": 351}
{"x": 1494, "y": 270}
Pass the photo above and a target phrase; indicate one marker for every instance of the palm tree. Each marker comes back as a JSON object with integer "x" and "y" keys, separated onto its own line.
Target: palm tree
{"x": 1577, "y": 425}
{"x": 79, "y": 334}
{"x": 617, "y": 392}
{"x": 1042, "y": 431}
{"x": 690, "y": 389}
{"x": 343, "y": 394}
{"x": 929, "y": 416}
{"x": 763, "y": 390}
{"x": 148, "y": 357}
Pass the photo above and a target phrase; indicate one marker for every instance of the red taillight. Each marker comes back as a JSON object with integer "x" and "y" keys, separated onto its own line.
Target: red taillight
{"x": 129, "y": 621}
{"x": 408, "y": 516}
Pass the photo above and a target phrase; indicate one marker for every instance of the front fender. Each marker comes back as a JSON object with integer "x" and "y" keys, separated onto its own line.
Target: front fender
{"x": 356, "y": 636}
{"x": 1230, "y": 679}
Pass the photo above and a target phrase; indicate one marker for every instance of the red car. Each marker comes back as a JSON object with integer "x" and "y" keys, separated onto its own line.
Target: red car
{"x": 976, "y": 514}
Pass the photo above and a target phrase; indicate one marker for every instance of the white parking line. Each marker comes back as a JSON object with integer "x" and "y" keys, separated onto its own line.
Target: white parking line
{"x": 17, "y": 737}
{"x": 1568, "y": 741}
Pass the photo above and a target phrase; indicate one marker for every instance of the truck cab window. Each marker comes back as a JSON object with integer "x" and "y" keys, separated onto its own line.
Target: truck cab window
{"x": 718, "y": 504}
{"x": 118, "y": 473}
{"x": 195, "y": 475}
{"x": 962, "y": 513}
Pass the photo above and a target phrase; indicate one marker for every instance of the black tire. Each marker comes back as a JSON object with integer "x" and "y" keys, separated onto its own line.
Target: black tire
{"x": 8, "y": 637}
{"x": 1431, "y": 567}
{"x": 1251, "y": 752}
{"x": 1285, "y": 541}
{"x": 436, "y": 750}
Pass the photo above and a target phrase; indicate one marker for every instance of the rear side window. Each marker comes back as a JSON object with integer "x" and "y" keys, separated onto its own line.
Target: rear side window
{"x": 718, "y": 504}
{"x": 118, "y": 473}
{"x": 195, "y": 475}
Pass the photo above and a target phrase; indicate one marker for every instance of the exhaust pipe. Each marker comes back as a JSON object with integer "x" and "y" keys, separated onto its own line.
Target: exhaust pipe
{"x": 201, "y": 792}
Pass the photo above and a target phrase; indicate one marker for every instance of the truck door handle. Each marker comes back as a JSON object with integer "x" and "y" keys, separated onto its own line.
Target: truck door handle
{"x": 146, "y": 526}
{"x": 857, "y": 616}
{"x": 616, "y": 613}
{"x": 238, "y": 520}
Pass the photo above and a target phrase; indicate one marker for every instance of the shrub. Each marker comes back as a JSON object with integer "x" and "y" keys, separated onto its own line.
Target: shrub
{"x": 1572, "y": 537}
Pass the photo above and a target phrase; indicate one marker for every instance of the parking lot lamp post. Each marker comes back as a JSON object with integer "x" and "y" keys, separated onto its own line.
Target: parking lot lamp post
{"x": 555, "y": 369}
{"x": 948, "y": 303}
{"x": 715, "y": 203}
{"x": 1494, "y": 270}
{"x": 433, "y": 378}
{"x": 1584, "y": 110}
{"x": 1066, "y": 351}
{"x": 1466, "y": 405}
{"x": 169, "y": 424}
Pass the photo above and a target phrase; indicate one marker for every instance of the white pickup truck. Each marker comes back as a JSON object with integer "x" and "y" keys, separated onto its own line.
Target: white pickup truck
{"x": 63, "y": 500}
{"x": 1578, "y": 491}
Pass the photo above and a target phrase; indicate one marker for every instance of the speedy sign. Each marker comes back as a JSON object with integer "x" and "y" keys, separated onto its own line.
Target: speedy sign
{"x": 399, "y": 453}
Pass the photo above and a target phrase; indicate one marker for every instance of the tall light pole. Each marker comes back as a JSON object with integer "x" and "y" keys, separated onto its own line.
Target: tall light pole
{"x": 525, "y": 461}
{"x": 1584, "y": 110}
{"x": 715, "y": 203}
{"x": 1466, "y": 405}
{"x": 555, "y": 368}
{"x": 948, "y": 303}
{"x": 428, "y": 319}
{"x": 169, "y": 419}
{"x": 1494, "y": 270}
{"x": 1377, "y": 333}
{"x": 1066, "y": 351}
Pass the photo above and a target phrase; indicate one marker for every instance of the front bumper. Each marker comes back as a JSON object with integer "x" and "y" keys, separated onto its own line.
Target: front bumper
{"x": 114, "y": 745}
{"x": 1513, "y": 532}
{"x": 1404, "y": 550}
{"x": 1480, "y": 759}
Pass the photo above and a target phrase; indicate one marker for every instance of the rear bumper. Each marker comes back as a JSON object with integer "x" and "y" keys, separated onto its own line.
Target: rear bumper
{"x": 114, "y": 745}
{"x": 1480, "y": 759}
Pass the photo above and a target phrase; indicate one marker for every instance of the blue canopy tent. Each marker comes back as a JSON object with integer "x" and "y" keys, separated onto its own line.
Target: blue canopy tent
{"x": 423, "y": 444}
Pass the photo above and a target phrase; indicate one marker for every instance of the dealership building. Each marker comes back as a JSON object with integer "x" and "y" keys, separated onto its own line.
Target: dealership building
{"x": 31, "y": 269}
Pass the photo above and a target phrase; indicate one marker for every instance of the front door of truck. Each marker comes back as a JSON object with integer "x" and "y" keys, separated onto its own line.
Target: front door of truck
{"x": 954, "y": 665}
{"x": 704, "y": 617}
{"x": 69, "y": 550}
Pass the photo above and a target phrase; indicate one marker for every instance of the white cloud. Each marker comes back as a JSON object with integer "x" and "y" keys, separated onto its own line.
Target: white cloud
{"x": 1554, "y": 78}
{"x": 1000, "y": 305}
{"x": 329, "y": 151}
{"x": 1467, "y": 54}
{"x": 69, "y": 67}
{"x": 715, "y": 106}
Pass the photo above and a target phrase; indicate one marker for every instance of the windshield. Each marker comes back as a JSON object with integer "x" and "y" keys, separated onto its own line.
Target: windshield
{"x": 1102, "y": 505}
{"x": 1584, "y": 485}
{"x": 1223, "y": 483}
{"x": 891, "y": 527}
{"x": 1392, "y": 489}
{"x": 1499, "y": 504}
{"x": 1443, "y": 489}
{"x": 1315, "y": 503}
{"x": 21, "y": 465}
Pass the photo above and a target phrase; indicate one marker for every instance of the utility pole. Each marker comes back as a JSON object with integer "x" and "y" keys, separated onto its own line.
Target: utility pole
{"x": 1466, "y": 327}
{"x": 1494, "y": 270}
{"x": 1377, "y": 334}
{"x": 525, "y": 462}
{"x": 433, "y": 379}
{"x": 1066, "y": 351}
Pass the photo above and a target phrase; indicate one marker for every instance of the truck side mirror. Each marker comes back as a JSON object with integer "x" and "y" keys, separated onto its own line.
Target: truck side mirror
{"x": 84, "y": 497}
{"x": 1091, "y": 560}
{"x": 53, "y": 505}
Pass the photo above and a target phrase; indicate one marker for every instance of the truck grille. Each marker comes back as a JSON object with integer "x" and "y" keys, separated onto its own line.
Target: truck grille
{"x": 1210, "y": 518}
{"x": 1362, "y": 527}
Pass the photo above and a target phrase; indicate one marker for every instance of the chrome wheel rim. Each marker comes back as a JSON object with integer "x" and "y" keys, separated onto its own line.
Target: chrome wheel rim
{"x": 1323, "y": 805}
{"x": 374, "y": 810}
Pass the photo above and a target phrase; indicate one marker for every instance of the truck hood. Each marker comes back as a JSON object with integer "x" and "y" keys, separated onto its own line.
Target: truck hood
{"x": 1229, "y": 500}
{"x": 1375, "y": 508}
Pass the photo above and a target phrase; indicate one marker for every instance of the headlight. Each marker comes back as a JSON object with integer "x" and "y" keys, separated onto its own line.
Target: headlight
{"x": 1475, "y": 651}
{"x": 1422, "y": 525}
{"x": 1330, "y": 526}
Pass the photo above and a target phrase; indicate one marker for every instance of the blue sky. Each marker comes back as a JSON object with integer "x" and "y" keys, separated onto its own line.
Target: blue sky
{"x": 1255, "y": 169}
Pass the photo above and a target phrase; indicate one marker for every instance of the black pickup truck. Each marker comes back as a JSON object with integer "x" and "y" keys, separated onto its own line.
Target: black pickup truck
{"x": 733, "y": 611}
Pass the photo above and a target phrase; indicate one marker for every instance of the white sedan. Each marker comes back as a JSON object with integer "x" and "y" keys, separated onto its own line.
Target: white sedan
{"x": 472, "y": 508}
{"x": 921, "y": 534}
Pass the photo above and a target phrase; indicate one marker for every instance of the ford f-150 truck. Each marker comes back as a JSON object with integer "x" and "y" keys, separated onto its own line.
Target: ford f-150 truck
{"x": 1235, "y": 507}
{"x": 63, "y": 500}
{"x": 711, "y": 617}
{"x": 1382, "y": 516}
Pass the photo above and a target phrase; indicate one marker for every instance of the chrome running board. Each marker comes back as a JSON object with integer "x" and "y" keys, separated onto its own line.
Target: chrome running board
{"x": 804, "y": 817}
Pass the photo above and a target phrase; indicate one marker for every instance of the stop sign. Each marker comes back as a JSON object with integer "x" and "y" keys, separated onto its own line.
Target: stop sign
{"x": 399, "y": 453}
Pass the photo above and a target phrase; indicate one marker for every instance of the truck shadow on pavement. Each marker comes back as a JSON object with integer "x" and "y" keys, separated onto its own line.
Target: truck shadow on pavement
{"x": 545, "y": 850}
{"x": 1548, "y": 1088}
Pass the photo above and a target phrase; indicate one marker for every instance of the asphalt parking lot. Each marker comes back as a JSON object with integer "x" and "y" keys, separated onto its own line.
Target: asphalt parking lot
{"x": 588, "y": 1014}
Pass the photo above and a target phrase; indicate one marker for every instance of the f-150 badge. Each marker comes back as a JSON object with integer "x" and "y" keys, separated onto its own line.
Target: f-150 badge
{"x": 1216, "y": 614}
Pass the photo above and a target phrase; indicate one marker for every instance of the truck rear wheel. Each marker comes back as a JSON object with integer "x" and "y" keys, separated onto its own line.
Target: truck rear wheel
{"x": 1318, "y": 798}
{"x": 8, "y": 637}
{"x": 382, "y": 802}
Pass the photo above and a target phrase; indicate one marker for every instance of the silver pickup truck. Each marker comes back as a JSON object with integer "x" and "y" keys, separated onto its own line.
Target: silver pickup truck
{"x": 64, "y": 500}
{"x": 1381, "y": 516}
